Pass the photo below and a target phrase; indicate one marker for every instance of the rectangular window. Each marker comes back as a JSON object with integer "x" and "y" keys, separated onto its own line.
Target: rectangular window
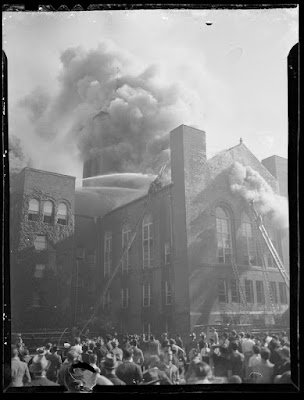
{"x": 126, "y": 261}
{"x": 235, "y": 294}
{"x": 273, "y": 288}
{"x": 107, "y": 254}
{"x": 107, "y": 300}
{"x": 283, "y": 293}
{"x": 33, "y": 211}
{"x": 39, "y": 270}
{"x": 249, "y": 291}
{"x": 260, "y": 292}
{"x": 147, "y": 243}
{"x": 146, "y": 295}
{"x": 40, "y": 243}
{"x": 125, "y": 297}
{"x": 91, "y": 257}
{"x": 167, "y": 253}
{"x": 168, "y": 293}
{"x": 222, "y": 291}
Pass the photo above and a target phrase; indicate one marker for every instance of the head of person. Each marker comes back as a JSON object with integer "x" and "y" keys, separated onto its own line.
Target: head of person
{"x": 234, "y": 346}
{"x": 172, "y": 341}
{"x": 223, "y": 350}
{"x": 14, "y": 352}
{"x": 248, "y": 335}
{"x": 203, "y": 335}
{"x": 25, "y": 351}
{"x": 241, "y": 335}
{"x": 48, "y": 346}
{"x": 54, "y": 349}
{"x": 211, "y": 341}
{"x": 235, "y": 379}
{"x": 233, "y": 333}
{"x": 127, "y": 353}
{"x": 92, "y": 346}
{"x": 114, "y": 344}
{"x": 154, "y": 361}
{"x": 265, "y": 353}
{"x": 168, "y": 356}
{"x": 108, "y": 337}
{"x": 77, "y": 340}
{"x": 133, "y": 342}
{"x": 93, "y": 358}
{"x": 166, "y": 344}
{"x": 256, "y": 349}
{"x": 85, "y": 348}
{"x": 39, "y": 365}
{"x": 284, "y": 378}
{"x": 201, "y": 370}
{"x": 73, "y": 356}
{"x": 110, "y": 363}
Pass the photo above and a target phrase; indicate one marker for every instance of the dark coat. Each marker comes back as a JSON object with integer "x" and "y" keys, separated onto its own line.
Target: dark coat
{"x": 129, "y": 372}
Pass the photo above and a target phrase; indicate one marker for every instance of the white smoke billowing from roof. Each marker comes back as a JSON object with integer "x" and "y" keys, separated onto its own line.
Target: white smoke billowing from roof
{"x": 17, "y": 158}
{"x": 249, "y": 184}
{"x": 106, "y": 106}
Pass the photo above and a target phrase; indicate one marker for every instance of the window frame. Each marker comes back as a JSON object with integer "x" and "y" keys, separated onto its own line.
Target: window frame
{"x": 250, "y": 254}
{"x": 126, "y": 234}
{"x": 249, "y": 295}
{"x": 260, "y": 294}
{"x": 283, "y": 287}
{"x": 49, "y": 216}
{"x": 274, "y": 292}
{"x": 237, "y": 291}
{"x": 60, "y": 220}
{"x": 220, "y": 235}
{"x": 124, "y": 298}
{"x": 37, "y": 247}
{"x": 31, "y": 212}
{"x": 146, "y": 295}
{"x": 107, "y": 300}
{"x": 168, "y": 293}
{"x": 147, "y": 242}
{"x": 221, "y": 292}
{"x": 108, "y": 243}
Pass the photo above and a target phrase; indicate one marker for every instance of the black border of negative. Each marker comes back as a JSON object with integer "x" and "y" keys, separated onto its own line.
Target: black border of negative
{"x": 294, "y": 212}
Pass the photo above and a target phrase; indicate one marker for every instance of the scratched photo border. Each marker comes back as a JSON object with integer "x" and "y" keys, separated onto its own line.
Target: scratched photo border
{"x": 293, "y": 193}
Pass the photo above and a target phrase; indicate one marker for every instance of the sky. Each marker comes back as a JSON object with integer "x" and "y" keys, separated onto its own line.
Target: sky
{"x": 150, "y": 71}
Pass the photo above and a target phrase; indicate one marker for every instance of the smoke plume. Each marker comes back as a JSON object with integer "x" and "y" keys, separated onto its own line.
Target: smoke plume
{"x": 248, "y": 183}
{"x": 17, "y": 159}
{"x": 105, "y": 106}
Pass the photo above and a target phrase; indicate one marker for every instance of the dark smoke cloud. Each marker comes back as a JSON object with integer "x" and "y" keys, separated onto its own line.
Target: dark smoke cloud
{"x": 251, "y": 186}
{"x": 104, "y": 107}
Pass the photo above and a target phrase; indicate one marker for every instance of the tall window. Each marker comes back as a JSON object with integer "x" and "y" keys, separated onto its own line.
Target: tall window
{"x": 62, "y": 214}
{"x": 126, "y": 236}
{"x": 260, "y": 292}
{"x": 146, "y": 295}
{"x": 107, "y": 253}
{"x": 33, "y": 211}
{"x": 168, "y": 293}
{"x": 273, "y": 288}
{"x": 248, "y": 241}
{"x": 222, "y": 291}
{"x": 40, "y": 242}
{"x": 249, "y": 291}
{"x": 125, "y": 297}
{"x": 223, "y": 229}
{"x": 39, "y": 271}
{"x": 107, "y": 300}
{"x": 272, "y": 235}
{"x": 283, "y": 293}
{"x": 235, "y": 293}
{"x": 48, "y": 212}
{"x": 147, "y": 241}
{"x": 167, "y": 253}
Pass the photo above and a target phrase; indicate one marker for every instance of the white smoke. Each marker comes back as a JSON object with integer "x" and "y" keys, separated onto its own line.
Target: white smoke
{"x": 249, "y": 184}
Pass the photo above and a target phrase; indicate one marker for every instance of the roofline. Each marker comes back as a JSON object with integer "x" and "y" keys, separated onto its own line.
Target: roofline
{"x": 46, "y": 172}
{"x": 275, "y": 155}
{"x": 169, "y": 185}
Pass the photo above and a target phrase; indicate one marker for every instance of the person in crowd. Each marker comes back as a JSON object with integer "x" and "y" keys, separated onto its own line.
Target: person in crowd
{"x": 138, "y": 356}
{"x": 179, "y": 341}
{"x": 154, "y": 346}
{"x": 265, "y": 368}
{"x": 39, "y": 368}
{"x": 235, "y": 379}
{"x": 110, "y": 366}
{"x": 85, "y": 354}
{"x": 274, "y": 346}
{"x": 19, "y": 370}
{"x": 205, "y": 353}
{"x": 48, "y": 347}
{"x": 78, "y": 346}
{"x": 95, "y": 379}
{"x": 202, "y": 340}
{"x": 267, "y": 339}
{"x": 219, "y": 360}
{"x": 285, "y": 378}
{"x": 254, "y": 360}
{"x": 65, "y": 350}
{"x": 72, "y": 358}
{"x": 153, "y": 367}
{"x": 100, "y": 351}
{"x": 214, "y": 335}
{"x": 283, "y": 337}
{"x": 223, "y": 340}
{"x": 151, "y": 378}
{"x": 191, "y": 347}
{"x": 241, "y": 337}
{"x": 283, "y": 364}
{"x": 109, "y": 342}
{"x": 237, "y": 362}
{"x": 164, "y": 338}
{"x": 26, "y": 355}
{"x": 129, "y": 371}
{"x": 20, "y": 347}
{"x": 117, "y": 351}
{"x": 247, "y": 350}
{"x": 55, "y": 364}
{"x": 169, "y": 368}
{"x": 200, "y": 373}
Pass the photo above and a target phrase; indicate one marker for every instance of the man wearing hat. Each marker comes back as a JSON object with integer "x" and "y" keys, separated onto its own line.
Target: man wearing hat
{"x": 110, "y": 364}
{"x": 214, "y": 335}
{"x": 39, "y": 368}
{"x": 154, "y": 370}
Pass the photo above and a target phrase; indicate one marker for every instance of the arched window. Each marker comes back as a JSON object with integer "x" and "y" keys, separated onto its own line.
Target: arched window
{"x": 107, "y": 253}
{"x": 248, "y": 241}
{"x": 33, "y": 211}
{"x": 223, "y": 229}
{"x": 62, "y": 214}
{"x": 147, "y": 241}
{"x": 126, "y": 236}
{"x": 48, "y": 212}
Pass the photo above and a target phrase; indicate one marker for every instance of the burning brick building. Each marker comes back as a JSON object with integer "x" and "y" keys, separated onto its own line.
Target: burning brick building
{"x": 177, "y": 274}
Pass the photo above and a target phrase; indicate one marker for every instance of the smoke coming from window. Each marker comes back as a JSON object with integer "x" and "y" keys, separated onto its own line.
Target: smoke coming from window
{"x": 249, "y": 184}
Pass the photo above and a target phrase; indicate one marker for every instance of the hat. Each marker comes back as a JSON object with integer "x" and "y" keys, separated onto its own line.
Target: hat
{"x": 110, "y": 361}
{"x": 41, "y": 351}
{"x": 150, "y": 377}
{"x": 66, "y": 345}
{"x": 39, "y": 364}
